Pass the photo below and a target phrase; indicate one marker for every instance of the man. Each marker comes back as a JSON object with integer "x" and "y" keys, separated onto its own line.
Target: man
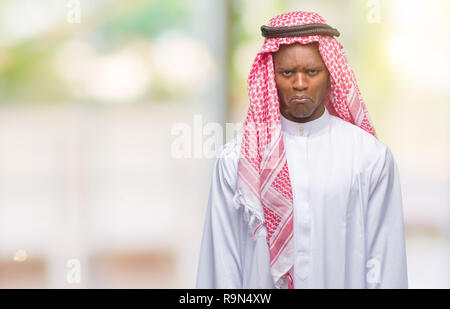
{"x": 305, "y": 196}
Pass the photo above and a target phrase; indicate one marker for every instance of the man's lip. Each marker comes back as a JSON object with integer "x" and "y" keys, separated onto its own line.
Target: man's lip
{"x": 302, "y": 99}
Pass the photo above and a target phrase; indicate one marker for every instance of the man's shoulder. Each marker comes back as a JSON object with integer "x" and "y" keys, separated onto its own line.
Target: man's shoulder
{"x": 231, "y": 149}
{"x": 227, "y": 159}
{"x": 354, "y": 131}
{"x": 350, "y": 127}
{"x": 368, "y": 147}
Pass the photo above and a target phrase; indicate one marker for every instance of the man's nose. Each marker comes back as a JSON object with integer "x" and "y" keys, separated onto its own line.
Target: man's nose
{"x": 300, "y": 81}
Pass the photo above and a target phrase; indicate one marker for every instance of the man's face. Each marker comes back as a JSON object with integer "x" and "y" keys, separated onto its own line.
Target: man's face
{"x": 302, "y": 81}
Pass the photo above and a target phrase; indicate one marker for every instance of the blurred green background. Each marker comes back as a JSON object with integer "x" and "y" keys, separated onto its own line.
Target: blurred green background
{"x": 90, "y": 92}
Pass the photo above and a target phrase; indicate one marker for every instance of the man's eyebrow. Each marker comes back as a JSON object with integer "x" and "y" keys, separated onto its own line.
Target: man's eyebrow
{"x": 315, "y": 67}
{"x": 306, "y": 67}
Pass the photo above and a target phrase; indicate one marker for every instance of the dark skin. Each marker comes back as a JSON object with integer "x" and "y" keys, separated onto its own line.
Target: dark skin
{"x": 300, "y": 71}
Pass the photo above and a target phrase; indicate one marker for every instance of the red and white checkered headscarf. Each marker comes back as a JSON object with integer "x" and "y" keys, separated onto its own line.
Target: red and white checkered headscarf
{"x": 264, "y": 187}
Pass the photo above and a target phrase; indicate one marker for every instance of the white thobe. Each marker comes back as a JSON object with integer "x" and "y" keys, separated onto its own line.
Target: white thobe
{"x": 348, "y": 217}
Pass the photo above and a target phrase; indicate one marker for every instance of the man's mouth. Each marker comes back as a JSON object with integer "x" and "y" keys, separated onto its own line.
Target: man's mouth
{"x": 300, "y": 99}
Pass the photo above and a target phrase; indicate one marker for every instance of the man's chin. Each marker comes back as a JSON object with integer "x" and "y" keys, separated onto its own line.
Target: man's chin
{"x": 301, "y": 115}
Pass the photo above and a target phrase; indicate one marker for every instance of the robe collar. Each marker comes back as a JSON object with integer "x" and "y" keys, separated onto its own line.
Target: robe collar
{"x": 310, "y": 128}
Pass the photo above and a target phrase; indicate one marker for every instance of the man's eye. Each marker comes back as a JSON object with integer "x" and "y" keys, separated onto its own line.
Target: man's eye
{"x": 312, "y": 72}
{"x": 287, "y": 73}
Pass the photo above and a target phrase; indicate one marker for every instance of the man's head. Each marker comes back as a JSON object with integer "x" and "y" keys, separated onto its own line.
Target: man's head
{"x": 302, "y": 81}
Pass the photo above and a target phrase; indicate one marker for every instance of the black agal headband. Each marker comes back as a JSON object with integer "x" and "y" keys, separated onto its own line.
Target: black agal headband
{"x": 302, "y": 30}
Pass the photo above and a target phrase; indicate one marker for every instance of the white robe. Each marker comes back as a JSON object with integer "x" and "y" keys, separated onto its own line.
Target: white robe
{"x": 348, "y": 217}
